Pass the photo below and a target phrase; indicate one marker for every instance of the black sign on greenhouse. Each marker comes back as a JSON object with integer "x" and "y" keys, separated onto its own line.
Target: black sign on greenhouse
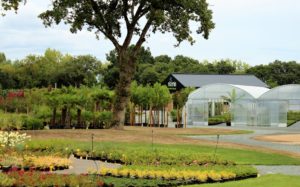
{"x": 172, "y": 83}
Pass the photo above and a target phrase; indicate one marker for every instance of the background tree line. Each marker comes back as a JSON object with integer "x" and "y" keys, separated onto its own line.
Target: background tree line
{"x": 54, "y": 68}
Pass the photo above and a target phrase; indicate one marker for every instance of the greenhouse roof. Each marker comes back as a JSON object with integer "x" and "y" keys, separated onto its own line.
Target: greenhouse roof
{"x": 285, "y": 92}
{"x": 216, "y": 91}
{"x": 255, "y": 91}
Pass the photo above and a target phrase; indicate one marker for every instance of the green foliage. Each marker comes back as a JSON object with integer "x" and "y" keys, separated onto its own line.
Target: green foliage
{"x": 6, "y": 181}
{"x": 9, "y": 121}
{"x": 50, "y": 69}
{"x": 6, "y": 5}
{"x": 105, "y": 118}
{"x": 180, "y": 98}
{"x": 156, "y": 96}
{"x": 46, "y": 179}
{"x": 277, "y": 72}
{"x": 32, "y": 123}
{"x": 168, "y": 153}
{"x": 293, "y": 117}
{"x": 216, "y": 120}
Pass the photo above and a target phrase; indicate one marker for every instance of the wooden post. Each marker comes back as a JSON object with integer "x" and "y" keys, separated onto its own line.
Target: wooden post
{"x": 167, "y": 118}
{"x": 184, "y": 117}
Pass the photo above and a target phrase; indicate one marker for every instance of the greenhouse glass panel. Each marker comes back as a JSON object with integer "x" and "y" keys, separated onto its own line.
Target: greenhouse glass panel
{"x": 216, "y": 100}
{"x": 197, "y": 113}
{"x": 275, "y": 105}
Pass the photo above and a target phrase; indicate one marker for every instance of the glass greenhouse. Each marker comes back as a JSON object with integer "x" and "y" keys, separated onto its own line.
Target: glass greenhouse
{"x": 274, "y": 105}
{"x": 246, "y": 105}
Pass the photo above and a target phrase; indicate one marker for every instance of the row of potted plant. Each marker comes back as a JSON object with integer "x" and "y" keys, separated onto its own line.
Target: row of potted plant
{"x": 172, "y": 174}
{"x": 31, "y": 178}
{"x": 43, "y": 163}
{"x": 142, "y": 157}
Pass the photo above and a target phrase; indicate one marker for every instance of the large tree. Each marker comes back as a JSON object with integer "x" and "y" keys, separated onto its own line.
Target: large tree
{"x": 121, "y": 20}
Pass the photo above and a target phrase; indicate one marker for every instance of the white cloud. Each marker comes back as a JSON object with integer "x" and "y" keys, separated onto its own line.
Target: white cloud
{"x": 255, "y": 31}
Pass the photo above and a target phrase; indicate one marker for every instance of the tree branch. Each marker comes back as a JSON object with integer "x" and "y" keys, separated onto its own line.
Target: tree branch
{"x": 125, "y": 2}
{"x": 130, "y": 28}
{"x": 143, "y": 35}
{"x": 107, "y": 30}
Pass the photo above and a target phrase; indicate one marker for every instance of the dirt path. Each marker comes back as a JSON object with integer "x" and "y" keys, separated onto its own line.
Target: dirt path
{"x": 293, "y": 139}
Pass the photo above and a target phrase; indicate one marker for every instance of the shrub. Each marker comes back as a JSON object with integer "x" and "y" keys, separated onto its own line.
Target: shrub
{"x": 105, "y": 118}
{"x": 31, "y": 123}
{"x": 169, "y": 174}
{"x": 293, "y": 117}
{"x": 10, "y": 121}
{"x": 215, "y": 120}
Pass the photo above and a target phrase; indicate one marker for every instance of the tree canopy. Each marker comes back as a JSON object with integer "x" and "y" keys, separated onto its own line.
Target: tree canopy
{"x": 6, "y": 5}
{"x": 139, "y": 17}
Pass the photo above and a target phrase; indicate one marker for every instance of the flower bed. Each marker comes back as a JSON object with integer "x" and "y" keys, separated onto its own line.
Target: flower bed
{"x": 12, "y": 138}
{"x": 21, "y": 178}
{"x": 42, "y": 163}
{"x": 148, "y": 157}
{"x": 47, "y": 162}
{"x": 189, "y": 176}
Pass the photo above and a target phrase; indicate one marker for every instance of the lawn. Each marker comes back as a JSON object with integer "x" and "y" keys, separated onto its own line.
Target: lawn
{"x": 239, "y": 156}
{"x": 264, "y": 181}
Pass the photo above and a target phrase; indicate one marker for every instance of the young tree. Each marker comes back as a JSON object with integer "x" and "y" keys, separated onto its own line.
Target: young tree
{"x": 139, "y": 17}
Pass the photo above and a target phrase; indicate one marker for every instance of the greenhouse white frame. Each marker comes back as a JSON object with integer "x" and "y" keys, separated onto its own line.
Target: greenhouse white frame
{"x": 248, "y": 105}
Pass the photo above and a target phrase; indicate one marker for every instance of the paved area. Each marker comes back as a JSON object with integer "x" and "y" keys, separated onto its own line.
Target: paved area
{"x": 295, "y": 126}
{"x": 82, "y": 166}
{"x": 287, "y": 170}
{"x": 247, "y": 139}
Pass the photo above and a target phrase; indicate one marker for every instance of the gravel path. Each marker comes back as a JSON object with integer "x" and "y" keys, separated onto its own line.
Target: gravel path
{"x": 247, "y": 139}
{"x": 287, "y": 170}
{"x": 81, "y": 166}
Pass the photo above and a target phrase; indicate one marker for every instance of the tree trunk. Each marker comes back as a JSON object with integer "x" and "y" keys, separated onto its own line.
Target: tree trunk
{"x": 68, "y": 119}
{"x": 126, "y": 72}
{"x": 63, "y": 116}
{"x": 78, "y": 117}
{"x": 53, "y": 117}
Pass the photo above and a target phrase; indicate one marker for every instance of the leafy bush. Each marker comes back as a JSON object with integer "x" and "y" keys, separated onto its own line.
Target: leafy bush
{"x": 174, "y": 115}
{"x": 9, "y": 121}
{"x": 105, "y": 118}
{"x": 293, "y": 117}
{"x": 32, "y": 123}
{"x": 216, "y": 120}
{"x": 225, "y": 118}
{"x": 170, "y": 174}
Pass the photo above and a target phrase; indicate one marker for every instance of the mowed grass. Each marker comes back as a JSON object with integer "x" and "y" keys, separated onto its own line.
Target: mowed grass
{"x": 239, "y": 156}
{"x": 164, "y": 139}
{"x": 136, "y": 134}
{"x": 264, "y": 181}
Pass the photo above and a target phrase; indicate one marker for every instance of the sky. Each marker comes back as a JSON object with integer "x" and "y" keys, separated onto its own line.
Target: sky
{"x": 252, "y": 31}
